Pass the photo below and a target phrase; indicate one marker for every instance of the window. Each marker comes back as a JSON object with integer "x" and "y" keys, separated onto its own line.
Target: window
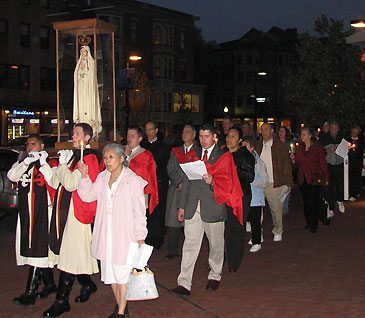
{"x": 158, "y": 101}
{"x": 164, "y": 68}
{"x": 45, "y": 4}
{"x": 14, "y": 76}
{"x": 25, "y": 34}
{"x": 239, "y": 59}
{"x": 183, "y": 70}
{"x": 169, "y": 68}
{"x": 157, "y": 34}
{"x": 280, "y": 60}
{"x": 157, "y": 67}
{"x": 249, "y": 78}
{"x": 117, "y": 21}
{"x": 133, "y": 30}
{"x": 239, "y": 77}
{"x": 240, "y": 100}
{"x": 169, "y": 36}
{"x": 3, "y": 31}
{"x": 47, "y": 79}
{"x": 249, "y": 58}
{"x": 182, "y": 40}
{"x": 44, "y": 35}
{"x": 186, "y": 102}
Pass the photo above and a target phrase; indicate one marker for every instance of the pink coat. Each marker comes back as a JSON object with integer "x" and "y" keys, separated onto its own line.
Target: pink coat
{"x": 129, "y": 213}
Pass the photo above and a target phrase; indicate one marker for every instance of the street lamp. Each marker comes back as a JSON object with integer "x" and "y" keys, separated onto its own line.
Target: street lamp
{"x": 358, "y": 23}
{"x": 261, "y": 73}
{"x": 226, "y": 110}
{"x": 130, "y": 79}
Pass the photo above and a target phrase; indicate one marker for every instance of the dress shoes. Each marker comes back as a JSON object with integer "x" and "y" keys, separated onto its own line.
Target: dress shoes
{"x": 180, "y": 290}
{"x": 25, "y": 299}
{"x": 46, "y": 291}
{"x": 212, "y": 285}
{"x": 172, "y": 255}
{"x": 85, "y": 293}
{"x": 58, "y": 308}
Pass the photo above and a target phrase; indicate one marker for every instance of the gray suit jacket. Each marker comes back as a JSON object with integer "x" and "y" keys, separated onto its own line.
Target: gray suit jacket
{"x": 174, "y": 197}
{"x": 198, "y": 190}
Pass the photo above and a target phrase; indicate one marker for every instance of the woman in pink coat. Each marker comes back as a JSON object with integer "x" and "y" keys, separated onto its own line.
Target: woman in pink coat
{"x": 120, "y": 219}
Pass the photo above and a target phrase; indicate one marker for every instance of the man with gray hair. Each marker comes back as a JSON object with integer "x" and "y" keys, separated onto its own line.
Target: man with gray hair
{"x": 179, "y": 155}
{"x": 276, "y": 157}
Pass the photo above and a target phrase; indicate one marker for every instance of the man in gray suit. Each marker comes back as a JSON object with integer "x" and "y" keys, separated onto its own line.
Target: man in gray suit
{"x": 202, "y": 214}
{"x": 179, "y": 155}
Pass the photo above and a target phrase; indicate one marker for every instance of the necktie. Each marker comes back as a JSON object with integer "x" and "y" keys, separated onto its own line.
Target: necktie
{"x": 205, "y": 157}
{"x": 185, "y": 150}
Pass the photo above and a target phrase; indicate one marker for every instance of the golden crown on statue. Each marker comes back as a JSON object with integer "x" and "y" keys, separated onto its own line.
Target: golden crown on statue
{"x": 84, "y": 40}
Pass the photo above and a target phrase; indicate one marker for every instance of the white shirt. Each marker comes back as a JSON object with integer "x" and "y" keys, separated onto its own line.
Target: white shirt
{"x": 266, "y": 157}
{"x": 187, "y": 149}
{"x": 110, "y": 194}
{"x": 209, "y": 152}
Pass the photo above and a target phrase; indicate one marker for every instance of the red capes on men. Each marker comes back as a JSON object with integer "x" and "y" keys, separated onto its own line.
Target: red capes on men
{"x": 226, "y": 185}
{"x": 144, "y": 166}
{"x": 84, "y": 211}
{"x": 183, "y": 157}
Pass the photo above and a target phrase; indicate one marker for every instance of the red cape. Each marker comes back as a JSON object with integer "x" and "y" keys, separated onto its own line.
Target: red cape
{"x": 144, "y": 165}
{"x": 85, "y": 212}
{"x": 227, "y": 187}
{"x": 183, "y": 157}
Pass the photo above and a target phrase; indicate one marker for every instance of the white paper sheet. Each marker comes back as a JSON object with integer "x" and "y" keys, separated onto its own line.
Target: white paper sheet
{"x": 194, "y": 170}
{"x": 343, "y": 148}
{"x": 284, "y": 193}
{"x": 138, "y": 255}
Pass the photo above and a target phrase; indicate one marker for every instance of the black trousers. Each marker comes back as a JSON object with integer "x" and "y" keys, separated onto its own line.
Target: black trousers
{"x": 173, "y": 240}
{"x": 254, "y": 218}
{"x": 156, "y": 220}
{"x": 335, "y": 185}
{"x": 235, "y": 234}
{"x": 311, "y": 197}
{"x": 355, "y": 178}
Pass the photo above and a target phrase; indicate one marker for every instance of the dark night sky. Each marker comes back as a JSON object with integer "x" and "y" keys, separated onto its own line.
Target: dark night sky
{"x": 225, "y": 20}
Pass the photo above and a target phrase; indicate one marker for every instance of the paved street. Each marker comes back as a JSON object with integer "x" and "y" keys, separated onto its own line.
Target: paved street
{"x": 305, "y": 275}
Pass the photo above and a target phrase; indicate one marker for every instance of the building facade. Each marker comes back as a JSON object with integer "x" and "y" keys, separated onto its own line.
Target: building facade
{"x": 247, "y": 82}
{"x": 164, "y": 92}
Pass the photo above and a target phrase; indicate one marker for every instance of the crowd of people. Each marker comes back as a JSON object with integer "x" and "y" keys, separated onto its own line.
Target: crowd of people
{"x": 88, "y": 206}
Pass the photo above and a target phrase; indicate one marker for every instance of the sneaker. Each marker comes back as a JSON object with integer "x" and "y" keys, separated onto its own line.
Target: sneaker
{"x": 352, "y": 199}
{"x": 341, "y": 207}
{"x": 278, "y": 237}
{"x": 250, "y": 241}
{"x": 255, "y": 248}
{"x": 330, "y": 213}
{"x": 248, "y": 227}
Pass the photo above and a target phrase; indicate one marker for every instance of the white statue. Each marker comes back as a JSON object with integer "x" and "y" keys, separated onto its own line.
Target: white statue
{"x": 86, "y": 92}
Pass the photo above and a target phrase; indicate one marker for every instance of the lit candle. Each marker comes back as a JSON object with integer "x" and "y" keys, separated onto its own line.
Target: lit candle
{"x": 82, "y": 151}
{"x": 291, "y": 148}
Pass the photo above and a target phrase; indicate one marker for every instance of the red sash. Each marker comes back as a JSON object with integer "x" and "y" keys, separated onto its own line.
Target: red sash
{"x": 183, "y": 157}
{"x": 144, "y": 165}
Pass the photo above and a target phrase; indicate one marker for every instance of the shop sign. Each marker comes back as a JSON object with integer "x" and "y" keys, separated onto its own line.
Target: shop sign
{"x": 17, "y": 121}
{"x": 23, "y": 112}
{"x": 34, "y": 121}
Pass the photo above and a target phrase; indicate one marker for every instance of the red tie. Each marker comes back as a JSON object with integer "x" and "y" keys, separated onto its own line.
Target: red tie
{"x": 205, "y": 157}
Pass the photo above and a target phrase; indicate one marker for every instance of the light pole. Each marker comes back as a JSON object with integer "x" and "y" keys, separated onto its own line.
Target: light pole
{"x": 130, "y": 81}
{"x": 255, "y": 74}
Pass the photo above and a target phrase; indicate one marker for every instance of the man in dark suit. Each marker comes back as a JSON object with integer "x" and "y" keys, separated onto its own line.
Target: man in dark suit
{"x": 161, "y": 153}
{"x": 204, "y": 211}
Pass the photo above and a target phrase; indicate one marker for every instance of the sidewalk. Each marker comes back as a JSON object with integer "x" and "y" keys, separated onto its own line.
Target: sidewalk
{"x": 305, "y": 275}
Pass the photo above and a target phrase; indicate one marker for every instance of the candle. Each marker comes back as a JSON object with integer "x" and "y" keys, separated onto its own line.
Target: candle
{"x": 291, "y": 148}
{"x": 82, "y": 151}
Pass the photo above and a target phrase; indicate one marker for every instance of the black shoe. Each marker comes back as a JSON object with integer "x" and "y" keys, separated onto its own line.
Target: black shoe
{"x": 25, "y": 299}
{"x": 172, "y": 255}
{"x": 29, "y": 296}
{"x": 46, "y": 291}
{"x": 212, "y": 285}
{"x": 85, "y": 293}
{"x": 180, "y": 290}
{"x": 115, "y": 311}
{"x": 58, "y": 308}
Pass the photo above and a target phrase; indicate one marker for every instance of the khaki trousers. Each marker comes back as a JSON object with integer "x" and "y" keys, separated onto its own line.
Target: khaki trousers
{"x": 276, "y": 207}
{"x": 194, "y": 231}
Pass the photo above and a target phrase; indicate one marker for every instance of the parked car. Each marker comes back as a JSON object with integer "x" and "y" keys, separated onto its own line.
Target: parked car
{"x": 8, "y": 189}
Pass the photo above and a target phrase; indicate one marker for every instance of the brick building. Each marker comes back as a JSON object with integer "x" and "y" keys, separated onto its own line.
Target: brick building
{"x": 165, "y": 93}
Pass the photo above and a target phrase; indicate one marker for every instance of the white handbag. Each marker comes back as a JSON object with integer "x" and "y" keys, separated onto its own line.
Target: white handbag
{"x": 141, "y": 285}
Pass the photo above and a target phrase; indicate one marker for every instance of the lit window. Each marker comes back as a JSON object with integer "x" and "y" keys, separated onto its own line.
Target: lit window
{"x": 157, "y": 35}
{"x": 157, "y": 67}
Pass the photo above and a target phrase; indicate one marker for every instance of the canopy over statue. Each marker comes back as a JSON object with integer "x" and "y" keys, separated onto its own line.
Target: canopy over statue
{"x": 86, "y": 105}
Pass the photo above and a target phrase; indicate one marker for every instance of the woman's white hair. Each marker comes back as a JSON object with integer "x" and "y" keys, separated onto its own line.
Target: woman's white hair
{"x": 117, "y": 148}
